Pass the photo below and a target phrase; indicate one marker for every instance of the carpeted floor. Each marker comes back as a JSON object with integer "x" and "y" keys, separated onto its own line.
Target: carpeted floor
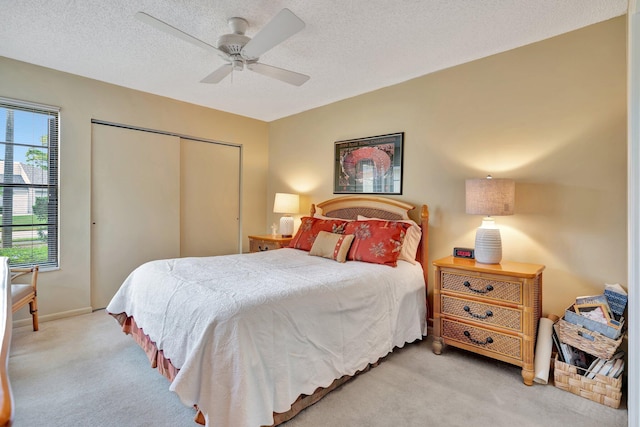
{"x": 84, "y": 371}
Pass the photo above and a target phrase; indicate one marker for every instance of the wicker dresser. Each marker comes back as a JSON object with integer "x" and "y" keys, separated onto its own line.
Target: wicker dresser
{"x": 490, "y": 309}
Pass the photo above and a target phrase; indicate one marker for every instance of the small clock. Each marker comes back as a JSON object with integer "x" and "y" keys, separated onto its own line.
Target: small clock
{"x": 463, "y": 253}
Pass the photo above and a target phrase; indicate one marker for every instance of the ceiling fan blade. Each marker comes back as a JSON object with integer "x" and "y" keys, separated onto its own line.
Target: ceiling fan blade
{"x": 163, "y": 26}
{"x": 218, "y": 75}
{"x": 281, "y": 27}
{"x": 286, "y": 76}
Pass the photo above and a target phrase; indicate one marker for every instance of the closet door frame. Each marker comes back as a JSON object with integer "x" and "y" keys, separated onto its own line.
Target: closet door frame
{"x": 633, "y": 206}
{"x": 194, "y": 138}
{"x": 99, "y": 293}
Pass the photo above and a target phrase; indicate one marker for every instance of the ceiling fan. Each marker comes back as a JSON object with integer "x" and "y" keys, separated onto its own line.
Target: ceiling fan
{"x": 241, "y": 51}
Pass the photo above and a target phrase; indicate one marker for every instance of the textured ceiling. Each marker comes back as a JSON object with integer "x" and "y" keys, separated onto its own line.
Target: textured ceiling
{"x": 348, "y": 47}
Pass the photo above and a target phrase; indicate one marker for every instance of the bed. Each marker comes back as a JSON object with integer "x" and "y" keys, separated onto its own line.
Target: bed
{"x": 252, "y": 339}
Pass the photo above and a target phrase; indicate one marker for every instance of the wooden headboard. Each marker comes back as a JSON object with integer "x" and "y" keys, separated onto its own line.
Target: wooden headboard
{"x": 349, "y": 207}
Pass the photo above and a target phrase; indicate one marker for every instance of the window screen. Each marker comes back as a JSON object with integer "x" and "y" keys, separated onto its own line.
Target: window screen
{"x": 29, "y": 183}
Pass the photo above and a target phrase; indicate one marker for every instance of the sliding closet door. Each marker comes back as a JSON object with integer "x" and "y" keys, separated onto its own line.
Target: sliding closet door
{"x": 210, "y": 198}
{"x": 135, "y": 204}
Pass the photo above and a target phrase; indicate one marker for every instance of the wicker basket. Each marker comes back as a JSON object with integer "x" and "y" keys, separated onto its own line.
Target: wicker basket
{"x": 588, "y": 341}
{"x": 601, "y": 389}
{"x": 607, "y": 330}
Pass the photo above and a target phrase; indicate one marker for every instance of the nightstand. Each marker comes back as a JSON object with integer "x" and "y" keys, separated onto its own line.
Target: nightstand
{"x": 268, "y": 242}
{"x": 489, "y": 309}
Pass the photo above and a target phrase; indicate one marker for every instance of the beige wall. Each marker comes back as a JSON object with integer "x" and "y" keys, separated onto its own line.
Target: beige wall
{"x": 66, "y": 291}
{"x": 551, "y": 115}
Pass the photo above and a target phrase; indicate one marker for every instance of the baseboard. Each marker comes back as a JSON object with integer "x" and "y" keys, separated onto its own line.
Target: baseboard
{"x": 49, "y": 317}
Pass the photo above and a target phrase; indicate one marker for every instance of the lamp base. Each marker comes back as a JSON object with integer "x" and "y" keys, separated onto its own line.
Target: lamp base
{"x": 488, "y": 246}
{"x": 286, "y": 226}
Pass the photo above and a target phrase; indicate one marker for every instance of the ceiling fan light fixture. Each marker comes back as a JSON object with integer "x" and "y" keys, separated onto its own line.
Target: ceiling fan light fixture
{"x": 238, "y": 65}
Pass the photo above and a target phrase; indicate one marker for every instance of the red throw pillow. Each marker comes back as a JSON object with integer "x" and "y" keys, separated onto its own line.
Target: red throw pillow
{"x": 378, "y": 242}
{"x": 309, "y": 229}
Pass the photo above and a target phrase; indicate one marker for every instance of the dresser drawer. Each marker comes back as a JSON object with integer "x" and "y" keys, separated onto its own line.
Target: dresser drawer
{"x": 489, "y": 309}
{"x": 496, "y": 342}
{"x": 482, "y": 313}
{"x": 499, "y": 290}
{"x": 263, "y": 245}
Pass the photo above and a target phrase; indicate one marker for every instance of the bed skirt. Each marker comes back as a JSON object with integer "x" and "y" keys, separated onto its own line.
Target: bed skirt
{"x": 164, "y": 366}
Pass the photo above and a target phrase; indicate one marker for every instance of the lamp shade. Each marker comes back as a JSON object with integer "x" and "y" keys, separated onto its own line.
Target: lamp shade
{"x": 490, "y": 197}
{"x": 286, "y": 203}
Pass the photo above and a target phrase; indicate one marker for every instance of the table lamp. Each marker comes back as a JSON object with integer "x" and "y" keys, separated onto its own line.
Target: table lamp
{"x": 489, "y": 197}
{"x": 286, "y": 204}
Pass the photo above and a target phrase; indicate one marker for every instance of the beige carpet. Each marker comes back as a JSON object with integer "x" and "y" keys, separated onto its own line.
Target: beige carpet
{"x": 84, "y": 371}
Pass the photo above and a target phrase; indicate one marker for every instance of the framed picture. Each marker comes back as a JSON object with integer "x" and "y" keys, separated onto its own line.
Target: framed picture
{"x": 595, "y": 312}
{"x": 371, "y": 165}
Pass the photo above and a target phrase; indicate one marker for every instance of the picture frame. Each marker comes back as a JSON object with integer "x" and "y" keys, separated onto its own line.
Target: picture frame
{"x": 371, "y": 165}
{"x": 596, "y": 312}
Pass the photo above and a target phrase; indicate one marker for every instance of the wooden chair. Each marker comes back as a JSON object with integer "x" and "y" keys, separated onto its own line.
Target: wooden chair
{"x": 6, "y": 395}
{"x": 21, "y": 294}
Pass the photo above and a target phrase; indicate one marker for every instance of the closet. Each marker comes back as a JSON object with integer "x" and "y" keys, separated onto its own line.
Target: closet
{"x": 156, "y": 195}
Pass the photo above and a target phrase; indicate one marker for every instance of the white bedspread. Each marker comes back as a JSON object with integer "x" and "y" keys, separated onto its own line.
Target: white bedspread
{"x": 252, "y": 332}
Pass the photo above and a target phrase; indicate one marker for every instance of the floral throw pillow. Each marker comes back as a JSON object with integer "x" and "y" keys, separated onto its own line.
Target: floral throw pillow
{"x": 411, "y": 240}
{"x": 309, "y": 229}
{"x": 377, "y": 242}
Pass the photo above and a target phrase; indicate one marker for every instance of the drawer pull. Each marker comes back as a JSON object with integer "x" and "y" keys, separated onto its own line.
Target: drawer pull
{"x": 487, "y": 289}
{"x": 262, "y": 249}
{"x": 487, "y": 314}
{"x": 489, "y": 340}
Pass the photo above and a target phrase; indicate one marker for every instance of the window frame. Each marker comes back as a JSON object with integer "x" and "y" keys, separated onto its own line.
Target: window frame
{"x": 52, "y": 187}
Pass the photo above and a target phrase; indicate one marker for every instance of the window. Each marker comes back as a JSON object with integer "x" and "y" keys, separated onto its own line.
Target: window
{"x": 29, "y": 183}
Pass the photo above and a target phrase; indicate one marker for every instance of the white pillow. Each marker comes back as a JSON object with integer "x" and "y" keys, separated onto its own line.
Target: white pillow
{"x": 411, "y": 240}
